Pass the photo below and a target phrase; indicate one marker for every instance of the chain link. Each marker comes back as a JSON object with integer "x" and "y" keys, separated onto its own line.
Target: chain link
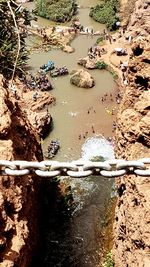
{"x": 77, "y": 169}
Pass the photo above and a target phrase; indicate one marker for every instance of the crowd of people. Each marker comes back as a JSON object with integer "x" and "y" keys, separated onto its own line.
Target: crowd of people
{"x": 59, "y": 71}
{"x": 52, "y": 149}
{"x": 48, "y": 66}
{"x": 95, "y": 51}
{"x": 39, "y": 81}
{"x": 91, "y": 110}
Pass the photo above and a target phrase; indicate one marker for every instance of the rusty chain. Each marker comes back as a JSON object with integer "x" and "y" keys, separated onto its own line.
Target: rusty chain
{"x": 76, "y": 169}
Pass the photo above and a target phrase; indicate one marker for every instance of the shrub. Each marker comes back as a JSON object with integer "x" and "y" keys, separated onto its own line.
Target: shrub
{"x": 100, "y": 40}
{"x": 59, "y": 11}
{"x": 101, "y": 65}
{"x": 105, "y": 13}
{"x": 113, "y": 72}
{"x": 108, "y": 261}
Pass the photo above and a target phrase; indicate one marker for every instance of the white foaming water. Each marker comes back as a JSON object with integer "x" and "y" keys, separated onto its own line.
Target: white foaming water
{"x": 97, "y": 146}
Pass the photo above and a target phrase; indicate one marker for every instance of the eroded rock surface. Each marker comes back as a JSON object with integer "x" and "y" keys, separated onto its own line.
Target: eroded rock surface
{"x": 132, "y": 217}
{"x": 35, "y": 108}
{"x": 18, "y": 195}
{"x": 41, "y": 122}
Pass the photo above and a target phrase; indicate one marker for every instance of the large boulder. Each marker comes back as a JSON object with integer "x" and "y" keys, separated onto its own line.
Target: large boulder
{"x": 88, "y": 63}
{"x": 82, "y": 78}
{"x": 41, "y": 121}
{"x": 68, "y": 49}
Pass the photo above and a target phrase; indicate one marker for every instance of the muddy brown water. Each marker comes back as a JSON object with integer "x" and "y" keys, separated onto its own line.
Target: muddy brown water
{"x": 77, "y": 109}
{"x": 76, "y": 240}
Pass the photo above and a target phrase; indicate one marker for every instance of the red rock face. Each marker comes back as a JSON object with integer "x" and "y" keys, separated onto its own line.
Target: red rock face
{"x": 18, "y": 195}
{"x": 132, "y": 216}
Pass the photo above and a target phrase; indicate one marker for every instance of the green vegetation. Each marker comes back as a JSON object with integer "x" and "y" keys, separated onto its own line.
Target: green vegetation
{"x": 113, "y": 72}
{"x": 101, "y": 65}
{"x": 108, "y": 261}
{"x": 100, "y": 40}
{"x": 106, "y": 13}
{"x": 13, "y": 54}
{"x": 59, "y": 11}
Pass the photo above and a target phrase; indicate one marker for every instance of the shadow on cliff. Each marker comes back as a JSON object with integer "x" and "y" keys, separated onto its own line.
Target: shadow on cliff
{"x": 55, "y": 225}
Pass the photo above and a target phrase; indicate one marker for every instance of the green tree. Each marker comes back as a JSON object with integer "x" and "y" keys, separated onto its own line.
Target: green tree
{"x": 12, "y": 38}
{"x": 60, "y": 10}
{"x": 105, "y": 13}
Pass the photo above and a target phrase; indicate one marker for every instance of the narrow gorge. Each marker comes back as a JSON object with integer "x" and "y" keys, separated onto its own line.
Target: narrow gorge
{"x": 22, "y": 124}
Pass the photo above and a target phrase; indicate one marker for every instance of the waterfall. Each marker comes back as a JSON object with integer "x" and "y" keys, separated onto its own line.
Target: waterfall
{"x": 95, "y": 147}
{"x": 99, "y": 147}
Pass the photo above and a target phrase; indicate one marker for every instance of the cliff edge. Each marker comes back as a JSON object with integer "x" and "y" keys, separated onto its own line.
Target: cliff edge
{"x": 132, "y": 215}
{"x": 18, "y": 195}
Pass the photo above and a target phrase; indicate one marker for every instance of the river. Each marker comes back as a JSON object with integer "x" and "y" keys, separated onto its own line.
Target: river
{"x": 77, "y": 241}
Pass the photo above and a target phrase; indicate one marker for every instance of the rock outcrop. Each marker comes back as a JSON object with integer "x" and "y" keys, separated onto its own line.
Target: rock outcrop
{"x": 68, "y": 49}
{"x": 88, "y": 63}
{"x": 35, "y": 108}
{"x": 42, "y": 122}
{"x": 82, "y": 78}
{"x": 18, "y": 195}
{"x": 132, "y": 216}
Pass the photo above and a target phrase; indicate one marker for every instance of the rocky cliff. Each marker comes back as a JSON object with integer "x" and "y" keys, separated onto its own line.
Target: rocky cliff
{"x": 132, "y": 216}
{"x": 18, "y": 195}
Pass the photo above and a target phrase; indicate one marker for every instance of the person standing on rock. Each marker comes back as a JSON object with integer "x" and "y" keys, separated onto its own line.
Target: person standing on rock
{"x": 81, "y": 28}
{"x": 53, "y": 29}
{"x": 109, "y": 38}
{"x": 35, "y": 95}
{"x": 92, "y": 31}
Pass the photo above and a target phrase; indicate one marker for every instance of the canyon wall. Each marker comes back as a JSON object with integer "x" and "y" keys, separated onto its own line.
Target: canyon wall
{"x": 18, "y": 195}
{"x": 132, "y": 215}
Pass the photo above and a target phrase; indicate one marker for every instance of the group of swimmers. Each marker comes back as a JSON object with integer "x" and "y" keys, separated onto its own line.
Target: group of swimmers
{"x": 110, "y": 97}
{"x": 91, "y": 109}
{"x": 86, "y": 133}
{"x": 106, "y": 96}
{"x": 110, "y": 139}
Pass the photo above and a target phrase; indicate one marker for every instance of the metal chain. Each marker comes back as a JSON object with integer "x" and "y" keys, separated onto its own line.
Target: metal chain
{"x": 76, "y": 169}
